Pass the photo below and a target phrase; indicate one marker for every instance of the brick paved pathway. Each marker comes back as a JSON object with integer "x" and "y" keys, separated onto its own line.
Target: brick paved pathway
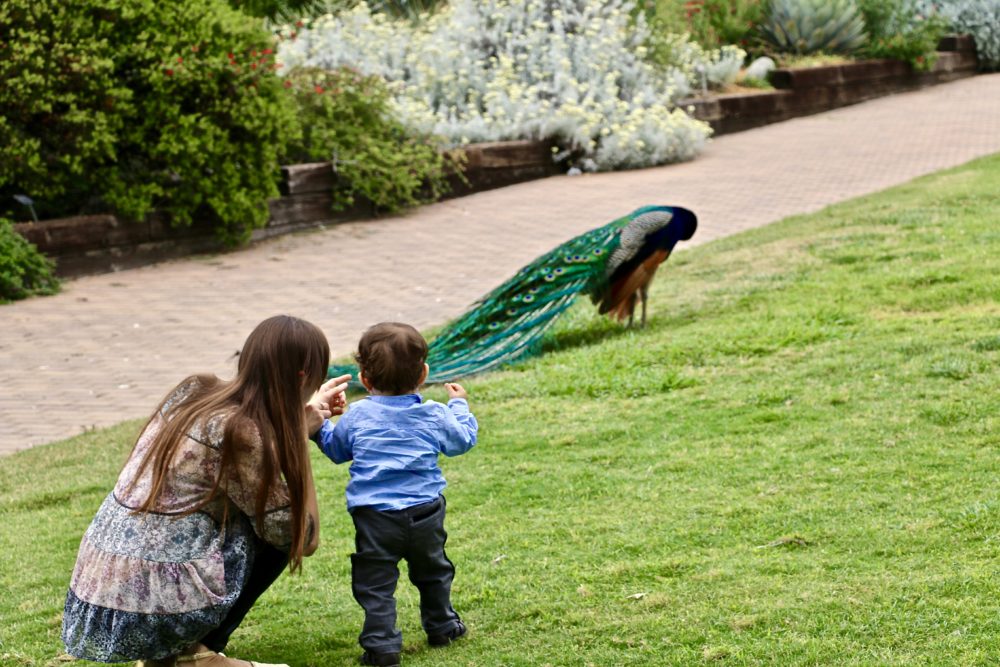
{"x": 109, "y": 346}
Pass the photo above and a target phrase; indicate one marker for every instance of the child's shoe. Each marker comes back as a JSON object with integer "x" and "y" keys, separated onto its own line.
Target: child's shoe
{"x": 380, "y": 659}
{"x": 456, "y": 632}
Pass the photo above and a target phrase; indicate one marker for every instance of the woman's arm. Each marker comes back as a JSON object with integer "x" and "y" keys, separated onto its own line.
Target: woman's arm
{"x": 329, "y": 400}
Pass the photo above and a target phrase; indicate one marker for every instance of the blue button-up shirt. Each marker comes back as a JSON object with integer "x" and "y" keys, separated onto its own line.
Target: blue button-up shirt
{"x": 394, "y": 442}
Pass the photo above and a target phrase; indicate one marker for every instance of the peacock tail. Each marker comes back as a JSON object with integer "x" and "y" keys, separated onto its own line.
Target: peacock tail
{"x": 507, "y": 324}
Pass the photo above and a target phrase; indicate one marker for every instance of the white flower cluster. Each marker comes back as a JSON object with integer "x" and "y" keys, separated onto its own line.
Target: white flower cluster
{"x": 486, "y": 70}
{"x": 704, "y": 68}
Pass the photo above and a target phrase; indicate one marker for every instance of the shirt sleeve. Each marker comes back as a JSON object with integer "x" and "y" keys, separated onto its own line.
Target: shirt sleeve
{"x": 460, "y": 428}
{"x": 179, "y": 394}
{"x": 243, "y": 487}
{"x": 333, "y": 440}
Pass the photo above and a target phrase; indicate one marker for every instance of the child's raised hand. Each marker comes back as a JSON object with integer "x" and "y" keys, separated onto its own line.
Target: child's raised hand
{"x": 456, "y": 390}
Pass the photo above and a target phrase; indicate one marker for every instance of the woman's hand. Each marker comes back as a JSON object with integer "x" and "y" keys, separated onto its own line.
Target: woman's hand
{"x": 329, "y": 400}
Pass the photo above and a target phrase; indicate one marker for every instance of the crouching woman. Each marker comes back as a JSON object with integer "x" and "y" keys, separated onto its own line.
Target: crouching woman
{"x": 215, "y": 500}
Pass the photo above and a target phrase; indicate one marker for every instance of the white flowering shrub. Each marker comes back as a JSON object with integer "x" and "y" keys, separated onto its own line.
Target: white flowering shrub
{"x": 702, "y": 68}
{"x": 485, "y": 70}
{"x": 722, "y": 65}
{"x": 979, "y": 18}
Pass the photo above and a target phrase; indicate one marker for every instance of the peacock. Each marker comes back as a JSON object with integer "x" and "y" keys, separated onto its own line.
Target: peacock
{"x": 614, "y": 264}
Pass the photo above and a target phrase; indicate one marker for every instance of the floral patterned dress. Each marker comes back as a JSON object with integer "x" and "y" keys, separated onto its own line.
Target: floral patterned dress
{"x": 147, "y": 585}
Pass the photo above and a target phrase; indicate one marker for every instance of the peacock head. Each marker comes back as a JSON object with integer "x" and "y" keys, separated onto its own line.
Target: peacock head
{"x": 687, "y": 222}
{"x": 682, "y": 225}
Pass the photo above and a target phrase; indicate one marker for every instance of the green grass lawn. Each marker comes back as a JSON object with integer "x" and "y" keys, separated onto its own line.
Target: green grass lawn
{"x": 795, "y": 463}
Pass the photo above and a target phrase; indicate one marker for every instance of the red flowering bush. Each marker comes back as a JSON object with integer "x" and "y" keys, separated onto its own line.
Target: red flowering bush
{"x": 135, "y": 105}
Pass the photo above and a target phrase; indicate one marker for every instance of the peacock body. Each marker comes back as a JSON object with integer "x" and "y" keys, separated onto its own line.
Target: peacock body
{"x": 613, "y": 264}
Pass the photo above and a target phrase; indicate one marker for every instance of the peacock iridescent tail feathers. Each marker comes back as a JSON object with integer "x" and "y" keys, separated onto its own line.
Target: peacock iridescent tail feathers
{"x": 508, "y": 323}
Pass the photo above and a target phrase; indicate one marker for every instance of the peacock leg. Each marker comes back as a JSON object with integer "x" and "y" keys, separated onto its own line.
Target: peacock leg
{"x": 644, "y": 295}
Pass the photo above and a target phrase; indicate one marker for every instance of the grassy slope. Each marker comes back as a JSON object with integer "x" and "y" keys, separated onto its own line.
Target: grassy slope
{"x": 795, "y": 463}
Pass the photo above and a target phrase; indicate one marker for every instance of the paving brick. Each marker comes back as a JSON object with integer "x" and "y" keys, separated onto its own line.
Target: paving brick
{"x": 108, "y": 347}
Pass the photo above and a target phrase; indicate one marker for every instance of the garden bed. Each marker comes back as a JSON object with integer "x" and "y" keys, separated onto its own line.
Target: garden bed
{"x": 100, "y": 243}
{"x": 807, "y": 91}
{"x": 84, "y": 245}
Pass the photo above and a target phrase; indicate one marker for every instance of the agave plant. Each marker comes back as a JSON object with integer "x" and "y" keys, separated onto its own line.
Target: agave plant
{"x": 808, "y": 26}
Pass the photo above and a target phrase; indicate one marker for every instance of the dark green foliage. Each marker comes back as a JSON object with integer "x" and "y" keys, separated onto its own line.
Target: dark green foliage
{"x": 287, "y": 11}
{"x": 711, "y": 23}
{"x": 130, "y": 106}
{"x": 281, "y": 11}
{"x": 411, "y": 9}
{"x": 135, "y": 105}
{"x": 897, "y": 30}
{"x": 738, "y": 25}
{"x": 23, "y": 270}
{"x": 346, "y": 118}
{"x": 715, "y": 23}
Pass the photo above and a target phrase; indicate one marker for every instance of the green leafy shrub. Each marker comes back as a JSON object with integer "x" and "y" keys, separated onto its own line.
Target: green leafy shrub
{"x": 898, "y": 29}
{"x": 346, "y": 118}
{"x": 23, "y": 270}
{"x": 411, "y": 9}
{"x": 288, "y": 11}
{"x": 701, "y": 37}
{"x": 731, "y": 21}
{"x": 284, "y": 11}
{"x": 135, "y": 105}
{"x": 710, "y": 23}
{"x": 810, "y": 26}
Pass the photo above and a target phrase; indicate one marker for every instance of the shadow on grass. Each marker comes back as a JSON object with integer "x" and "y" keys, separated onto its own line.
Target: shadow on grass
{"x": 594, "y": 330}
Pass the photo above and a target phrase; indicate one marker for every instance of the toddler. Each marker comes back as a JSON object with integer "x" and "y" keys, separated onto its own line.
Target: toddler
{"x": 394, "y": 495}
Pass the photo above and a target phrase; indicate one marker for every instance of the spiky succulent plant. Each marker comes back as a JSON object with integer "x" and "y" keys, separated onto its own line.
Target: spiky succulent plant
{"x": 809, "y": 26}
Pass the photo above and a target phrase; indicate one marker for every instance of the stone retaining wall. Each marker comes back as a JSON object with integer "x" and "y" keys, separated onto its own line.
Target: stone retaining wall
{"x": 84, "y": 245}
{"x": 806, "y": 91}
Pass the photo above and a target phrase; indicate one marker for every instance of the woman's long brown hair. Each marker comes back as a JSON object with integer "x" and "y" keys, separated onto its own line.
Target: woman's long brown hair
{"x": 283, "y": 361}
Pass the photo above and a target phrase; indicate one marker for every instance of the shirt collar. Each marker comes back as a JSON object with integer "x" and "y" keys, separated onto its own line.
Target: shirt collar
{"x": 398, "y": 401}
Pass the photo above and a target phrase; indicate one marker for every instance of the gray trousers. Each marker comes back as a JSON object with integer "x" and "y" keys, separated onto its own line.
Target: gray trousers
{"x": 382, "y": 539}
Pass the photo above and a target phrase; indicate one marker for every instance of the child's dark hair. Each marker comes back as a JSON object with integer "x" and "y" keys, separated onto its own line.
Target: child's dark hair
{"x": 392, "y": 356}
